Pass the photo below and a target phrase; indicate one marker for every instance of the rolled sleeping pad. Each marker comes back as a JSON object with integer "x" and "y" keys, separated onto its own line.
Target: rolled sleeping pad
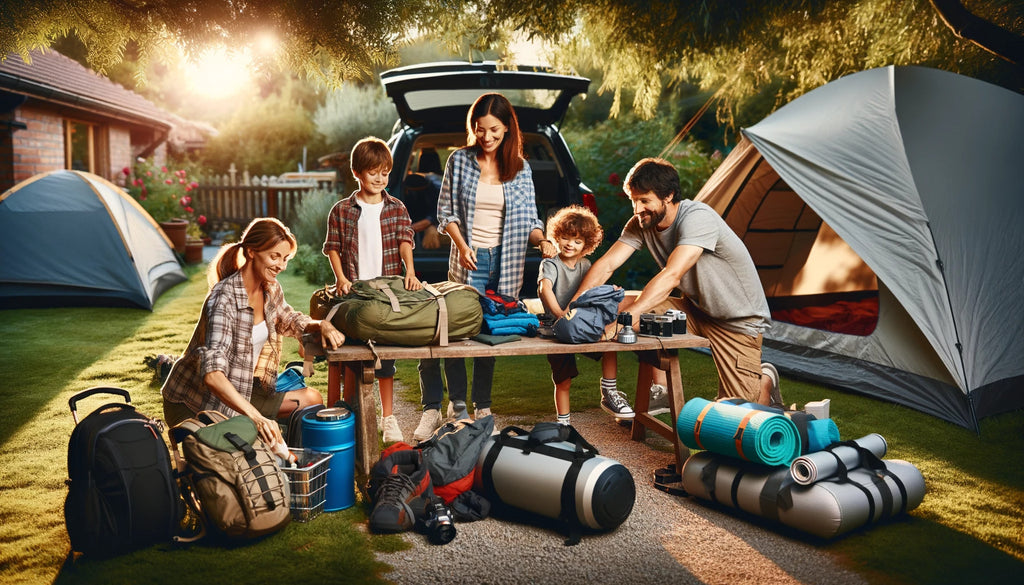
{"x": 754, "y": 435}
{"x": 813, "y": 467}
{"x": 815, "y": 434}
{"x": 825, "y": 509}
{"x": 539, "y": 477}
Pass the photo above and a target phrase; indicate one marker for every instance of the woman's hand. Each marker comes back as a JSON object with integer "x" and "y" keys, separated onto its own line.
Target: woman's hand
{"x": 412, "y": 283}
{"x": 330, "y": 337}
{"x": 342, "y": 287}
{"x": 467, "y": 258}
{"x": 548, "y": 249}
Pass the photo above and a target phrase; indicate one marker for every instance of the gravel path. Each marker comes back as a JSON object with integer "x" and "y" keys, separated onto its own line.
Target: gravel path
{"x": 666, "y": 539}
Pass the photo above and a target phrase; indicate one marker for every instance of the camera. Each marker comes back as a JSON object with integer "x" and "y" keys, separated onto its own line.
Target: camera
{"x": 656, "y": 325}
{"x": 438, "y": 522}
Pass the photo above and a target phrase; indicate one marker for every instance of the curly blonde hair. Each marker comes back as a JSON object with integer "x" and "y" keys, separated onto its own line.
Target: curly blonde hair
{"x": 576, "y": 221}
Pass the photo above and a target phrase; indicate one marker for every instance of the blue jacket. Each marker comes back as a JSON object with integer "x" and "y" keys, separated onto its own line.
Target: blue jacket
{"x": 588, "y": 315}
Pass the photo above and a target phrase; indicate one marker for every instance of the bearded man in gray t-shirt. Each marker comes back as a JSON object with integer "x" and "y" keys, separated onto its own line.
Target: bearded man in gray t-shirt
{"x": 702, "y": 259}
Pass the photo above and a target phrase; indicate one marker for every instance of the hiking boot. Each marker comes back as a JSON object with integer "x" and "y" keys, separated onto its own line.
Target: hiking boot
{"x": 430, "y": 421}
{"x": 614, "y": 402}
{"x": 659, "y": 400}
{"x": 404, "y": 493}
{"x": 457, "y": 409}
{"x": 775, "y": 397}
{"x": 392, "y": 434}
{"x": 481, "y": 412}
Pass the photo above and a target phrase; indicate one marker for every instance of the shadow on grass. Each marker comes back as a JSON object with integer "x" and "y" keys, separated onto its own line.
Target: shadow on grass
{"x": 40, "y": 356}
{"x": 329, "y": 549}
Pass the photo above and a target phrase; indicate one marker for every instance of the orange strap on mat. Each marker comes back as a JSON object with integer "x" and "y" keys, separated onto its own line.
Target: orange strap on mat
{"x": 699, "y": 422}
{"x": 738, "y": 437}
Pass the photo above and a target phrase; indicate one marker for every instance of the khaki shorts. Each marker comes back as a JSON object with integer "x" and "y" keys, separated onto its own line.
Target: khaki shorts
{"x": 737, "y": 356}
{"x": 269, "y": 406}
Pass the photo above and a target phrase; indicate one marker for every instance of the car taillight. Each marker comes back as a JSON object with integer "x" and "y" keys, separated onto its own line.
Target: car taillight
{"x": 590, "y": 201}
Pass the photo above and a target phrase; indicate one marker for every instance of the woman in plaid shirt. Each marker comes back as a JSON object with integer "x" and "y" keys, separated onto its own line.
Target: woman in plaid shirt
{"x": 231, "y": 361}
{"x": 488, "y": 207}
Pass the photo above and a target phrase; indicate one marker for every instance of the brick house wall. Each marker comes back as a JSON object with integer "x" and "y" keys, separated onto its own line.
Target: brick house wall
{"x": 120, "y": 140}
{"x": 39, "y": 147}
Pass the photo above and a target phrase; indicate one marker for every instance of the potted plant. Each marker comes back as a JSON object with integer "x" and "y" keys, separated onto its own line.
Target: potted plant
{"x": 164, "y": 194}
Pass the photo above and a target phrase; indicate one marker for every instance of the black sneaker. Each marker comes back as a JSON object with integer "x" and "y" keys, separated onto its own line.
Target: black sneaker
{"x": 403, "y": 494}
{"x": 614, "y": 402}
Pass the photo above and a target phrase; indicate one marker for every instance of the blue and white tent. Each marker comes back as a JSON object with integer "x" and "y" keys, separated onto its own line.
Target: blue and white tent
{"x": 69, "y": 238}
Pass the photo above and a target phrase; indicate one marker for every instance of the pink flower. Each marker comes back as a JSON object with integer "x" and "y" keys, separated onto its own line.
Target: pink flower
{"x": 163, "y": 169}
{"x": 185, "y": 201}
{"x": 168, "y": 181}
{"x": 127, "y": 171}
{"x": 181, "y": 181}
{"x": 201, "y": 219}
{"x": 187, "y": 188}
{"x": 189, "y": 209}
{"x": 149, "y": 173}
{"x": 194, "y": 185}
{"x": 613, "y": 179}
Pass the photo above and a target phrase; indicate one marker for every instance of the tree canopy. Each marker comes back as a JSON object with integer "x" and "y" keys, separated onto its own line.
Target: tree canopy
{"x": 741, "y": 49}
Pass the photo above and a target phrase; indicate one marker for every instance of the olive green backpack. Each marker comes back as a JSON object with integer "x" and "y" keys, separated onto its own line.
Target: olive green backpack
{"x": 381, "y": 311}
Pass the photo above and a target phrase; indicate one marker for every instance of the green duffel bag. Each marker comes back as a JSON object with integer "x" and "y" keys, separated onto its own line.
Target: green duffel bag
{"x": 382, "y": 311}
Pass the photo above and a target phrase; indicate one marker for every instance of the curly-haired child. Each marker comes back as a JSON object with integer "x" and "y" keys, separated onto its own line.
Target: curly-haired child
{"x": 576, "y": 232}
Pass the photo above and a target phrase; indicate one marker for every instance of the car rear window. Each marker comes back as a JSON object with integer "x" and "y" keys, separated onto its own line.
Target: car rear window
{"x": 540, "y": 99}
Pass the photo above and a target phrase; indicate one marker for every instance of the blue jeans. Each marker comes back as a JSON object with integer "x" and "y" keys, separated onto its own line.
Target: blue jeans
{"x": 486, "y": 275}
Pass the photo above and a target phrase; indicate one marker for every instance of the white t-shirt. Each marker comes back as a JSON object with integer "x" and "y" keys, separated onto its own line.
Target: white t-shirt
{"x": 489, "y": 216}
{"x": 371, "y": 243}
{"x": 259, "y": 339}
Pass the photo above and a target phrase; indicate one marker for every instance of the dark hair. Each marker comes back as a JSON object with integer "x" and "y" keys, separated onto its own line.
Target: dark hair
{"x": 576, "y": 221}
{"x": 261, "y": 234}
{"x": 510, "y": 151}
{"x": 654, "y": 175}
{"x": 370, "y": 153}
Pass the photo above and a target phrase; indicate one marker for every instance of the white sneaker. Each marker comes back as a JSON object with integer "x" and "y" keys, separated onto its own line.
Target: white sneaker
{"x": 392, "y": 434}
{"x": 659, "y": 400}
{"x": 615, "y": 403}
{"x": 481, "y": 412}
{"x": 775, "y": 397}
{"x": 429, "y": 422}
{"x": 457, "y": 410}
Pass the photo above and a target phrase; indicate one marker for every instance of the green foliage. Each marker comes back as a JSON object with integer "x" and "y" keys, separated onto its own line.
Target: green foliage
{"x": 265, "y": 136}
{"x": 310, "y": 229}
{"x": 310, "y": 261}
{"x": 352, "y": 113}
{"x": 605, "y": 152}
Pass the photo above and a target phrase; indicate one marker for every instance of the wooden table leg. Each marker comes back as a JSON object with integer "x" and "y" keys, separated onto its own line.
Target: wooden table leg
{"x": 676, "y": 399}
{"x": 333, "y": 382}
{"x": 367, "y": 446}
{"x": 642, "y": 420}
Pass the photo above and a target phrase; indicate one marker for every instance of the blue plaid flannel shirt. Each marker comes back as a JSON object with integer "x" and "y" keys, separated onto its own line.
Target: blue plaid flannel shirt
{"x": 457, "y": 204}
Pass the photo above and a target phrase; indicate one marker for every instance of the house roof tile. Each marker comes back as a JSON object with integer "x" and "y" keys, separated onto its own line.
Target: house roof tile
{"x": 53, "y": 77}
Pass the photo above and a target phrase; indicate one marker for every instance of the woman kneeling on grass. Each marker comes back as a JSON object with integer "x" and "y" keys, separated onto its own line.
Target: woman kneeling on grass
{"x": 231, "y": 361}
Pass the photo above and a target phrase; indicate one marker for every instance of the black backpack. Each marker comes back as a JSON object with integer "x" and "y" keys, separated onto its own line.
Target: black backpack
{"x": 122, "y": 492}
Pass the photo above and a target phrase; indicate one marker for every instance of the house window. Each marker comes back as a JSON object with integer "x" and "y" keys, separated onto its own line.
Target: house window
{"x": 79, "y": 146}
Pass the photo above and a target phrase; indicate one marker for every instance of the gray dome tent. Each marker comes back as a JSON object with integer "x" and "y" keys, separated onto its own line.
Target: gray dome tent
{"x": 69, "y": 238}
{"x": 899, "y": 185}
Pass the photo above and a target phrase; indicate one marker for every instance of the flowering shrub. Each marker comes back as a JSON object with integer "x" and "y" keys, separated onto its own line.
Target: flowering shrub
{"x": 165, "y": 194}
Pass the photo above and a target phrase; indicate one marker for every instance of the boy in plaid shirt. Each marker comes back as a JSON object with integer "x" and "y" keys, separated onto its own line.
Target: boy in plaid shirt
{"x": 374, "y": 230}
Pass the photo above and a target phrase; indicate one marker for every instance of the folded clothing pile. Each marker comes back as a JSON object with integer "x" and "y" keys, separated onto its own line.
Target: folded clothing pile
{"x": 507, "y": 316}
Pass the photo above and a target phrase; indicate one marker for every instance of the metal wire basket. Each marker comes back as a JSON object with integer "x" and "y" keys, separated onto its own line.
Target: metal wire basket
{"x": 308, "y": 483}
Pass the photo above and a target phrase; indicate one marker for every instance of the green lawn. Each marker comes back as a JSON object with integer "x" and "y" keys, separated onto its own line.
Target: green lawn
{"x": 968, "y": 530}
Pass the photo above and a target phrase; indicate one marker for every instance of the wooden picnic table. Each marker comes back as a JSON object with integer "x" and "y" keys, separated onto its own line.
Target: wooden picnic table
{"x": 664, "y": 350}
